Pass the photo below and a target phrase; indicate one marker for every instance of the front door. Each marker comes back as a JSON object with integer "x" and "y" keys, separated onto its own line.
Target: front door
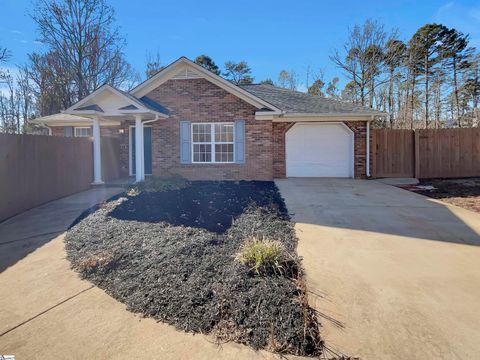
{"x": 147, "y": 147}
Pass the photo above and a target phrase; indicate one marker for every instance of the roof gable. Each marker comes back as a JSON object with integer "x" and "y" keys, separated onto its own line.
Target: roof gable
{"x": 107, "y": 99}
{"x": 184, "y": 68}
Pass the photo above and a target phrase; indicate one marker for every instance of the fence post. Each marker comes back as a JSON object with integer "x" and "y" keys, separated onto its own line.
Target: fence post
{"x": 417, "y": 153}
{"x": 373, "y": 153}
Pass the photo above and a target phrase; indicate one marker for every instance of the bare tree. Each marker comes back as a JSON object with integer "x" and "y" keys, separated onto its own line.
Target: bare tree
{"x": 288, "y": 79}
{"x": 83, "y": 35}
{"x": 4, "y": 54}
{"x": 361, "y": 58}
{"x": 153, "y": 64}
{"x": 51, "y": 83}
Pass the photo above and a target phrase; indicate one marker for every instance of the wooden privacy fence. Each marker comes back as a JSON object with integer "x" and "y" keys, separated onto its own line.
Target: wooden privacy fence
{"x": 393, "y": 153}
{"x": 110, "y": 158}
{"x": 431, "y": 153}
{"x": 35, "y": 169}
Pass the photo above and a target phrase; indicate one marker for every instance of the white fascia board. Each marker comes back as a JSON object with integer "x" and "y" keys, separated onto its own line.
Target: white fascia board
{"x": 168, "y": 72}
{"x": 82, "y": 123}
{"x": 306, "y": 117}
{"x": 85, "y": 99}
{"x": 105, "y": 87}
{"x": 350, "y": 115}
{"x": 85, "y": 113}
{"x": 143, "y": 111}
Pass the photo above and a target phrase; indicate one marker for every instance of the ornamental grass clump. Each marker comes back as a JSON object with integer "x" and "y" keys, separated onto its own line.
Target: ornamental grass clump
{"x": 265, "y": 257}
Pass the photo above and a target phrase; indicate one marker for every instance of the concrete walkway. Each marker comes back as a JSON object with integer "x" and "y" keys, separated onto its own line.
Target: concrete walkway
{"x": 393, "y": 274}
{"x": 47, "y": 312}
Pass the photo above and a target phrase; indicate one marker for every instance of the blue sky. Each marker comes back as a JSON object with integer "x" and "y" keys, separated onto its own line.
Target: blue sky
{"x": 269, "y": 35}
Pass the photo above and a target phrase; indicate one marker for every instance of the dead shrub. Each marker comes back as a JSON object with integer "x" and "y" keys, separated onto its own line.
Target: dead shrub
{"x": 94, "y": 263}
{"x": 313, "y": 341}
{"x": 158, "y": 184}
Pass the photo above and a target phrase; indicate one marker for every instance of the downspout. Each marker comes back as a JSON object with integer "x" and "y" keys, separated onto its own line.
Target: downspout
{"x": 149, "y": 121}
{"x": 48, "y": 128}
{"x": 139, "y": 175}
{"x": 139, "y": 141}
{"x": 368, "y": 147}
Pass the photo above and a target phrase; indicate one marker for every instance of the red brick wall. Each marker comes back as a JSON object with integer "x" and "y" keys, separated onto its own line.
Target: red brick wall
{"x": 198, "y": 100}
{"x": 111, "y": 131}
{"x": 57, "y": 130}
{"x": 279, "y": 130}
{"x": 359, "y": 129}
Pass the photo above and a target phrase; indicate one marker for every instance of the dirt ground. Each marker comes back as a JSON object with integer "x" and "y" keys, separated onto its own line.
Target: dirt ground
{"x": 460, "y": 192}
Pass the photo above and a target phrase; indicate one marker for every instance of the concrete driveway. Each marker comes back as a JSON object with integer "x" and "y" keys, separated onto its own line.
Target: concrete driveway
{"x": 392, "y": 274}
{"x": 47, "y": 312}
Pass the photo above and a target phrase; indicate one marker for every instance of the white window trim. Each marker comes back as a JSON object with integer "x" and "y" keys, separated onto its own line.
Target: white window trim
{"x": 80, "y": 127}
{"x": 212, "y": 143}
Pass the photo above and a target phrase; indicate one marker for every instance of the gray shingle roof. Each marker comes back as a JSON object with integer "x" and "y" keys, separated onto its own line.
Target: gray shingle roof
{"x": 153, "y": 105}
{"x": 129, "y": 107}
{"x": 148, "y": 103}
{"x": 94, "y": 107}
{"x": 298, "y": 102}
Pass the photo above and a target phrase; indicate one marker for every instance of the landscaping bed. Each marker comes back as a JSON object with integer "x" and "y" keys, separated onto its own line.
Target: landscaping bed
{"x": 190, "y": 257}
{"x": 461, "y": 192}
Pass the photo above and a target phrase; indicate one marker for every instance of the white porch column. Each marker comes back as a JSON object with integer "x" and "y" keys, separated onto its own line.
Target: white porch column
{"x": 97, "y": 152}
{"x": 139, "y": 157}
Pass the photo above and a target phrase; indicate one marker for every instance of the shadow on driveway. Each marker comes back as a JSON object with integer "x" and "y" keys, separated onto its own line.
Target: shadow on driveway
{"x": 24, "y": 233}
{"x": 371, "y": 206}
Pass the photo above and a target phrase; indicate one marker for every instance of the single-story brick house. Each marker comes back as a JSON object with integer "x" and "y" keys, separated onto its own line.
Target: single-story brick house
{"x": 200, "y": 126}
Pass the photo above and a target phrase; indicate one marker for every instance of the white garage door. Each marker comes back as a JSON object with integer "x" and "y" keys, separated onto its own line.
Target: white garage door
{"x": 319, "y": 150}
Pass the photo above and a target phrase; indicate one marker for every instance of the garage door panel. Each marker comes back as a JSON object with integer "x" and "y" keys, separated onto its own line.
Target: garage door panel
{"x": 319, "y": 150}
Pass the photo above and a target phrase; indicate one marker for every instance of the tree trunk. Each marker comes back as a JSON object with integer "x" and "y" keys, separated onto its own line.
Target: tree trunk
{"x": 412, "y": 100}
{"x": 390, "y": 99}
{"x": 455, "y": 90}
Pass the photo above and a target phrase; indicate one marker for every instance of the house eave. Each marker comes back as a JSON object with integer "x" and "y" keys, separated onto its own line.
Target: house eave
{"x": 143, "y": 112}
{"x": 306, "y": 117}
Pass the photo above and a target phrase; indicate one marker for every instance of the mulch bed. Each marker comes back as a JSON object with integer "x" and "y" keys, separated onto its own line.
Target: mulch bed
{"x": 461, "y": 192}
{"x": 170, "y": 256}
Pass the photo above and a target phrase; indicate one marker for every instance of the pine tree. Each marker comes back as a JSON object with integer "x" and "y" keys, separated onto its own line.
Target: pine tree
{"x": 207, "y": 63}
{"x": 426, "y": 45}
{"x": 316, "y": 88}
{"x": 454, "y": 51}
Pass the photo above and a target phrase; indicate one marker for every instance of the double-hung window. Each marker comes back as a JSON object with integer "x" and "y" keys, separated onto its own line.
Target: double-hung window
{"x": 82, "y": 131}
{"x": 213, "y": 143}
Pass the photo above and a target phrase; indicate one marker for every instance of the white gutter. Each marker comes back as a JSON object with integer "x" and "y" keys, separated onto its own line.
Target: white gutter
{"x": 42, "y": 124}
{"x": 150, "y": 121}
{"x": 368, "y": 147}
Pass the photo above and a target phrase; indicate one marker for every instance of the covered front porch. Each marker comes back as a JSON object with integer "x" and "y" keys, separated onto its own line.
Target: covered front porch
{"x": 109, "y": 107}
